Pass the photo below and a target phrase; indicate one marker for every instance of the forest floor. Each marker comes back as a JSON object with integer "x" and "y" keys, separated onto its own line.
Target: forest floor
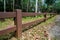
{"x": 37, "y": 32}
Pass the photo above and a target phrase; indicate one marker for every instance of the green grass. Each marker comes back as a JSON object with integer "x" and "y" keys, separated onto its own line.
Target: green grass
{"x": 8, "y": 22}
{"x": 48, "y": 21}
{"x": 30, "y": 19}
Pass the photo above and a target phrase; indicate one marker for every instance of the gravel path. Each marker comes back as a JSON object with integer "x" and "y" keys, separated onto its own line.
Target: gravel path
{"x": 54, "y": 31}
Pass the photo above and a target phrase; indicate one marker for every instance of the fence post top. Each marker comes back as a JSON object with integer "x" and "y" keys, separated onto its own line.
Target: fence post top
{"x": 18, "y": 10}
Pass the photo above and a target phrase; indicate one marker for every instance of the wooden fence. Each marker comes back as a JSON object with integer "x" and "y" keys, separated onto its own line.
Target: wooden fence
{"x": 18, "y": 26}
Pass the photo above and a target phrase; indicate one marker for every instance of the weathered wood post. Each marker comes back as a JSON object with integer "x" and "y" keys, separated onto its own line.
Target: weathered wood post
{"x": 45, "y": 16}
{"x": 18, "y": 23}
{"x": 51, "y": 15}
{"x": 2, "y": 19}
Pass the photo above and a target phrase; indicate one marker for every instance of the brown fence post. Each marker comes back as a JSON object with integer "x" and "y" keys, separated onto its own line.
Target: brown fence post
{"x": 45, "y": 15}
{"x": 51, "y": 15}
{"x": 2, "y": 19}
{"x": 18, "y": 23}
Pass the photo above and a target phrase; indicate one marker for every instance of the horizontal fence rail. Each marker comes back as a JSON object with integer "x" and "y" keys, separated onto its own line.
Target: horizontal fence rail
{"x": 7, "y": 14}
{"x": 30, "y": 14}
{"x": 18, "y": 21}
{"x": 32, "y": 23}
{"x": 13, "y": 14}
{"x": 8, "y": 30}
{"x": 35, "y": 14}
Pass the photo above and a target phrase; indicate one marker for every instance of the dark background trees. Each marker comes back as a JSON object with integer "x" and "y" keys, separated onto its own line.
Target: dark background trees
{"x": 29, "y": 5}
{"x": 56, "y": 6}
{"x": 1, "y": 5}
{"x": 50, "y": 4}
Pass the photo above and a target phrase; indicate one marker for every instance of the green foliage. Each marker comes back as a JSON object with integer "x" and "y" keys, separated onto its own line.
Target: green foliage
{"x": 9, "y": 5}
{"x": 57, "y": 7}
{"x": 28, "y": 5}
{"x": 43, "y": 8}
{"x": 1, "y": 5}
{"x": 25, "y": 5}
{"x": 50, "y": 9}
{"x": 49, "y": 2}
{"x": 18, "y": 4}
